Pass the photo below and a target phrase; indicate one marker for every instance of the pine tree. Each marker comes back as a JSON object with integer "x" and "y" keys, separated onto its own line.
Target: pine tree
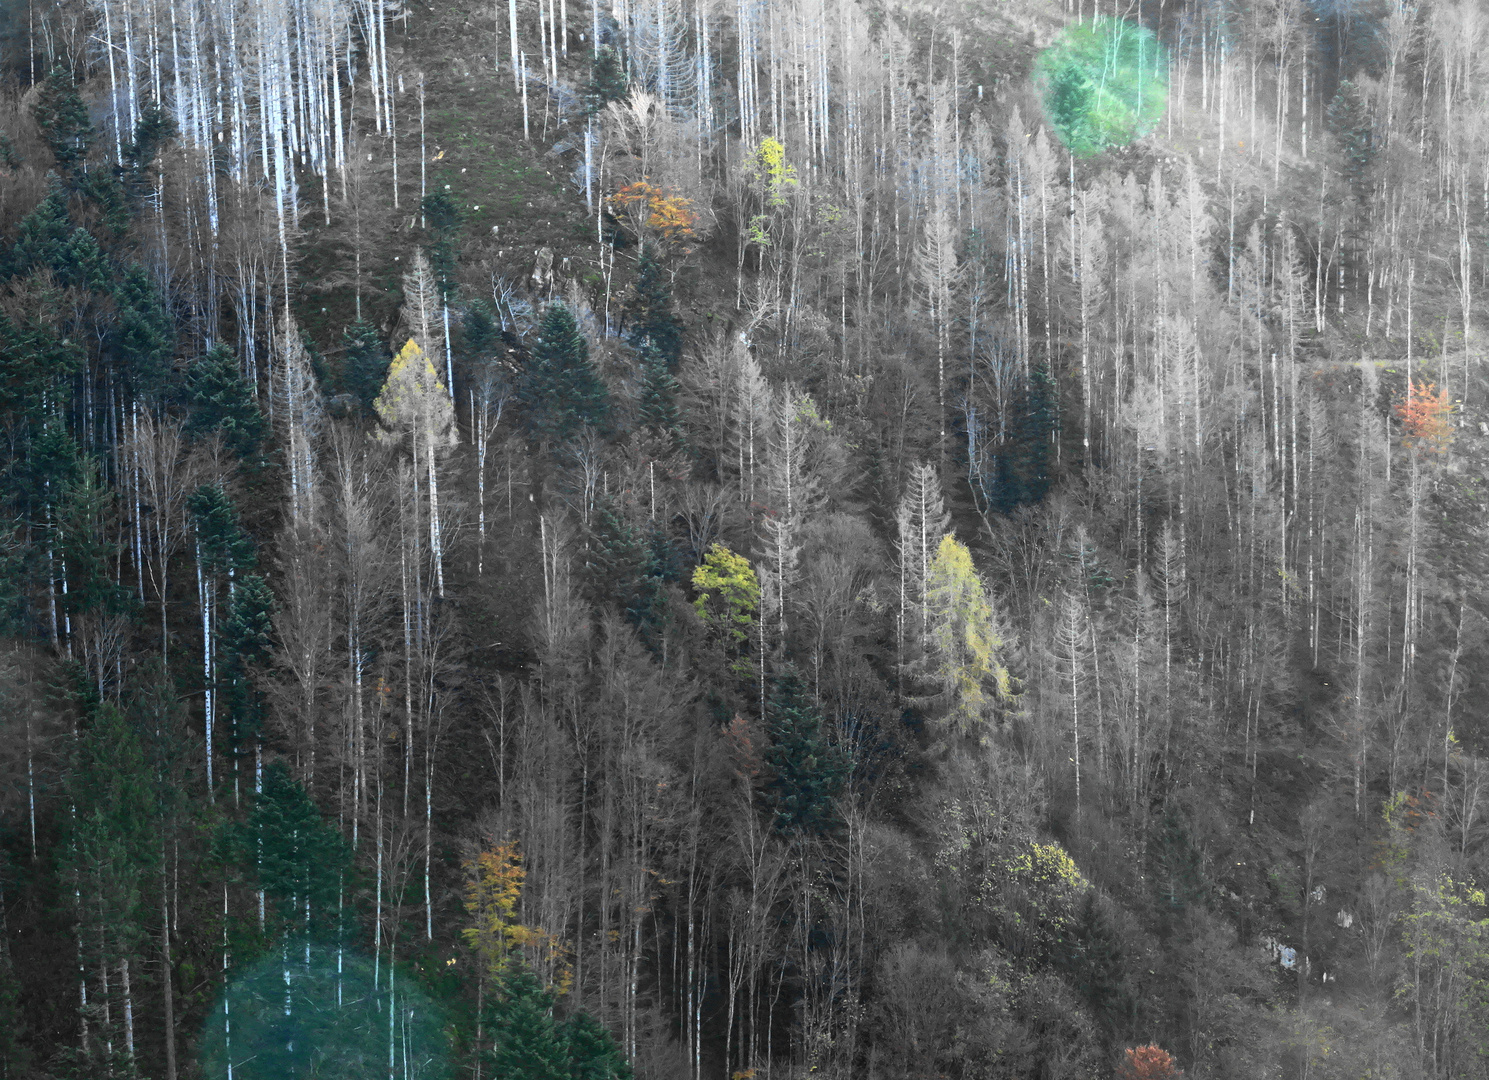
{"x": 607, "y": 79}
{"x": 293, "y": 855}
{"x": 366, "y": 364}
{"x": 63, "y": 119}
{"x": 225, "y": 547}
{"x": 1181, "y": 879}
{"x": 653, "y": 323}
{"x": 80, "y": 538}
{"x": 111, "y": 849}
{"x": 152, "y": 131}
{"x": 103, "y": 189}
{"x": 441, "y": 213}
{"x": 659, "y": 389}
{"x": 559, "y": 390}
{"x": 1349, "y": 121}
{"x": 1097, "y": 962}
{"x": 53, "y": 463}
{"x": 806, "y": 772}
{"x": 143, "y": 337}
{"x": 42, "y": 234}
{"x": 593, "y": 1054}
{"x": 1024, "y": 462}
{"x": 526, "y": 1043}
{"x": 630, "y": 572}
{"x": 81, "y": 264}
{"x": 480, "y": 335}
{"x": 36, "y": 356}
{"x": 244, "y": 647}
{"x": 220, "y": 401}
{"x": 15, "y": 1057}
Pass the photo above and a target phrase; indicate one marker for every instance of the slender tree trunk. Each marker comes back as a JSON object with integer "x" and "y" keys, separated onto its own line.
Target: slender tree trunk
{"x": 167, "y": 970}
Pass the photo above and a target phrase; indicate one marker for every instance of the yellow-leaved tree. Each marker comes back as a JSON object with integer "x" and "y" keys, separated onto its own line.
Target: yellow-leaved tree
{"x": 416, "y": 405}
{"x": 415, "y": 401}
{"x": 728, "y": 600}
{"x": 497, "y": 936}
{"x": 966, "y": 641}
{"x": 771, "y": 175}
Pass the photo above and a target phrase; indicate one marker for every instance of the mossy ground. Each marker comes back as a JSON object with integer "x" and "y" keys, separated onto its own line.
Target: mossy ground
{"x": 515, "y": 195}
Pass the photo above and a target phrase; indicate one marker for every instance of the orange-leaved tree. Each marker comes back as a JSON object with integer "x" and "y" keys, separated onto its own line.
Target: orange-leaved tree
{"x": 1424, "y": 416}
{"x": 653, "y": 212}
{"x": 491, "y": 896}
{"x": 1150, "y": 1062}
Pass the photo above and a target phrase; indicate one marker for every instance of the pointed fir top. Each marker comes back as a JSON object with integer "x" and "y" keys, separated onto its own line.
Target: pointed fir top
{"x": 414, "y": 399}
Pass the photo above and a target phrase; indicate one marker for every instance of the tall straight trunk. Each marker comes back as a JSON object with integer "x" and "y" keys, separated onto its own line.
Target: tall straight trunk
{"x": 205, "y": 589}
{"x": 128, "y": 990}
{"x": 167, "y": 968}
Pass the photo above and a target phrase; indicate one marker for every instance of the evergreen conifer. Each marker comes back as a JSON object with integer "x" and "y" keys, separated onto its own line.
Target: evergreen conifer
{"x": 81, "y": 264}
{"x": 1023, "y": 464}
{"x": 225, "y": 547}
{"x": 1097, "y": 961}
{"x": 366, "y": 364}
{"x": 152, "y": 131}
{"x": 653, "y": 323}
{"x": 630, "y": 570}
{"x": 526, "y": 1043}
{"x": 593, "y": 1054}
{"x": 143, "y": 336}
{"x": 221, "y": 401}
{"x": 81, "y": 541}
{"x": 1349, "y": 120}
{"x": 245, "y": 638}
{"x": 294, "y": 856}
{"x": 560, "y": 392}
{"x": 480, "y": 335}
{"x": 36, "y": 356}
{"x": 659, "y": 389}
{"x": 63, "y": 119}
{"x": 42, "y": 235}
{"x": 607, "y": 79}
{"x": 442, "y": 221}
{"x": 806, "y": 772}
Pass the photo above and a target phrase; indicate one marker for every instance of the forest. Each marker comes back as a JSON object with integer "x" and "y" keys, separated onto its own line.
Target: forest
{"x": 744, "y": 539}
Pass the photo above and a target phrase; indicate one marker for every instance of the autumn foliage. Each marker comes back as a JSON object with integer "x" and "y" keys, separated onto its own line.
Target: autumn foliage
{"x": 1150, "y": 1062}
{"x": 1424, "y": 416}
{"x": 492, "y": 893}
{"x": 669, "y": 218}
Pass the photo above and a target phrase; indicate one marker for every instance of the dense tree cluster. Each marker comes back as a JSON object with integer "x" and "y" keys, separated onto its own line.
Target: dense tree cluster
{"x": 815, "y": 539}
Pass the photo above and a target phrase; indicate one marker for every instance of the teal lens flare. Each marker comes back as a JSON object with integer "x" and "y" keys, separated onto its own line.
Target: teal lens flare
{"x": 1104, "y": 83}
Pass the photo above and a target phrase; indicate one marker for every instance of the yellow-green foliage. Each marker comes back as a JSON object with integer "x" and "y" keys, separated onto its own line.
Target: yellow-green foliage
{"x": 772, "y": 174}
{"x": 965, "y": 642}
{"x": 1047, "y": 867}
{"x": 1037, "y": 891}
{"x": 773, "y": 170}
{"x": 1446, "y": 936}
{"x": 728, "y": 594}
{"x": 492, "y": 892}
{"x": 414, "y": 399}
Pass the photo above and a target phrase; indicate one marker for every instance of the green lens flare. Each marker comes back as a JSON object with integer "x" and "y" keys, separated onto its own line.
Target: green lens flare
{"x": 1105, "y": 83}
{"x": 301, "y": 1012}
